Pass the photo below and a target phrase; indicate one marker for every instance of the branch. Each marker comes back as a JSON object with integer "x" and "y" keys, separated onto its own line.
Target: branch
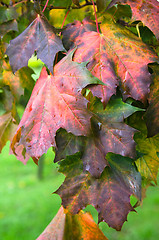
{"x": 73, "y": 7}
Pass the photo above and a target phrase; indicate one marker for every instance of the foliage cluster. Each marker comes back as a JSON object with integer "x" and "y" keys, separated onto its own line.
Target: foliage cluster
{"x": 95, "y": 102}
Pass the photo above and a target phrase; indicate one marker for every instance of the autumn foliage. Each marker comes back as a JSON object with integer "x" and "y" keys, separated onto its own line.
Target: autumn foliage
{"x": 95, "y": 103}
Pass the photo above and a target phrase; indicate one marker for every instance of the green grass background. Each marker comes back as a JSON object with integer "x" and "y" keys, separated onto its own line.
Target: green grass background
{"x": 27, "y": 204}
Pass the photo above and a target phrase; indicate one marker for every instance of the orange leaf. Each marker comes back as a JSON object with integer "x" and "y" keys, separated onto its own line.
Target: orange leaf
{"x": 66, "y": 226}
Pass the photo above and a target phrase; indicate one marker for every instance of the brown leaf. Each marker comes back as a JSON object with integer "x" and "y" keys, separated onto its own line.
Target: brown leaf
{"x": 18, "y": 81}
{"x": 94, "y": 156}
{"x": 112, "y": 137}
{"x": 7, "y": 128}
{"x": 110, "y": 194}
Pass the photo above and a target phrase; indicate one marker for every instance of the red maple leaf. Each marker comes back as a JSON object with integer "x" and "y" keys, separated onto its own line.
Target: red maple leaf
{"x": 56, "y": 102}
{"x": 114, "y": 60}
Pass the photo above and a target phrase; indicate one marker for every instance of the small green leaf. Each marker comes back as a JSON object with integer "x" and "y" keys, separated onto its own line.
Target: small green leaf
{"x": 117, "y": 110}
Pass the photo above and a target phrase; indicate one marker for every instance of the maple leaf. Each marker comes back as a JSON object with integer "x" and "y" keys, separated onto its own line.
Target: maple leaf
{"x": 56, "y": 102}
{"x": 8, "y": 26}
{"x": 102, "y": 4}
{"x": 39, "y": 36}
{"x": 109, "y": 137}
{"x": 115, "y": 111}
{"x": 146, "y": 11}
{"x": 152, "y": 114}
{"x": 7, "y": 128}
{"x": 7, "y": 99}
{"x": 113, "y": 57}
{"x": 93, "y": 153}
{"x": 7, "y": 14}
{"x": 106, "y": 193}
{"x": 75, "y": 29}
{"x": 67, "y": 144}
{"x": 93, "y": 158}
{"x": 67, "y": 226}
{"x": 18, "y": 81}
{"x": 148, "y": 164}
{"x": 9, "y": 118}
{"x": 108, "y": 134}
{"x": 132, "y": 177}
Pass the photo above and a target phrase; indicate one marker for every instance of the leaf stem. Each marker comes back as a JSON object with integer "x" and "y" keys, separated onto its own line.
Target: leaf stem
{"x": 65, "y": 18}
{"x": 95, "y": 16}
{"x": 45, "y": 5}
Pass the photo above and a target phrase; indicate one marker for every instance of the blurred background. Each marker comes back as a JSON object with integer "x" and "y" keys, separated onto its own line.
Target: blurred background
{"x": 28, "y": 204}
